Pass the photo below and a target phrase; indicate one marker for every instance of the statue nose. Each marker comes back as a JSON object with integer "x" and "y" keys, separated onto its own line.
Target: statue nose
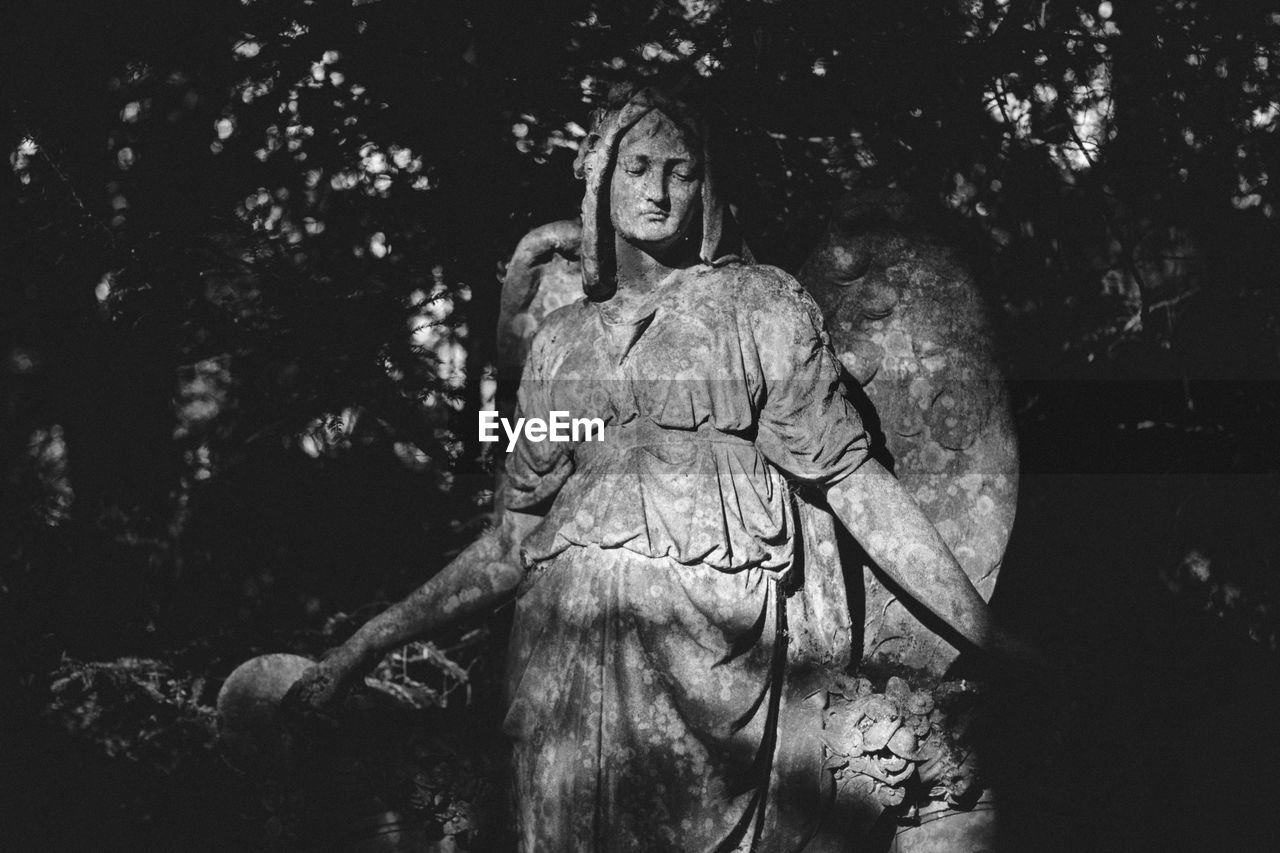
{"x": 655, "y": 188}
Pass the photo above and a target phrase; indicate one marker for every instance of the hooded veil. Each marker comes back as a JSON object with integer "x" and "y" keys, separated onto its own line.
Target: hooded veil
{"x": 721, "y": 240}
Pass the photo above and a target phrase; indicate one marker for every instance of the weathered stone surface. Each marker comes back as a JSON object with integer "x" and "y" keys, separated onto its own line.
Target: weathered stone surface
{"x": 251, "y": 732}
{"x": 646, "y": 673}
{"x": 679, "y": 600}
{"x": 544, "y": 273}
{"x": 907, "y": 322}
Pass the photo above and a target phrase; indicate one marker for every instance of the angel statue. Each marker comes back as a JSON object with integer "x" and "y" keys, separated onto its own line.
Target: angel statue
{"x": 680, "y": 604}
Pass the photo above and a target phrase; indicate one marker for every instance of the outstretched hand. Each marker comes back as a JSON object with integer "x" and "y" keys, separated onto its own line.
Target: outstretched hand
{"x": 485, "y": 574}
{"x": 314, "y": 703}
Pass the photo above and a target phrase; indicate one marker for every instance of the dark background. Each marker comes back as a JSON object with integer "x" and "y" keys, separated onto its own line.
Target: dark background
{"x": 250, "y": 257}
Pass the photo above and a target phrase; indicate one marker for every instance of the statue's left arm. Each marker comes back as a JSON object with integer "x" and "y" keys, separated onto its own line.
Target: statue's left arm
{"x": 890, "y": 526}
{"x": 896, "y": 534}
{"x": 810, "y": 430}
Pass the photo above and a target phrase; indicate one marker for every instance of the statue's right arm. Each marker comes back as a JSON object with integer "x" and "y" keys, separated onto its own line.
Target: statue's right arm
{"x": 479, "y": 579}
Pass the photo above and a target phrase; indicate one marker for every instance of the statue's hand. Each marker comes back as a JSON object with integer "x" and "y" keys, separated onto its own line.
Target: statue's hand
{"x": 314, "y": 702}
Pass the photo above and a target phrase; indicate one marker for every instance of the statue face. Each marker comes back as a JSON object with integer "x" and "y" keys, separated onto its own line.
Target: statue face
{"x": 655, "y": 196}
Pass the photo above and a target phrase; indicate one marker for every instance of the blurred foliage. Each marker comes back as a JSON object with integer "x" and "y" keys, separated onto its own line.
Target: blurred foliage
{"x": 421, "y": 675}
{"x": 152, "y": 721}
{"x": 250, "y": 253}
{"x": 251, "y": 247}
{"x": 136, "y": 709}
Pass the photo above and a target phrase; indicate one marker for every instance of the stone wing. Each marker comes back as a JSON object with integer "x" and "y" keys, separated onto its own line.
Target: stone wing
{"x": 542, "y": 275}
{"x": 907, "y": 322}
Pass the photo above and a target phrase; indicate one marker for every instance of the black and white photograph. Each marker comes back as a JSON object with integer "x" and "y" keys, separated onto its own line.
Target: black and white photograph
{"x": 704, "y": 426}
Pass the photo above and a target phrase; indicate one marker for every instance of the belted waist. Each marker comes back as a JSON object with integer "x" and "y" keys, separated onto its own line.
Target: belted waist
{"x": 694, "y": 495}
{"x": 643, "y": 432}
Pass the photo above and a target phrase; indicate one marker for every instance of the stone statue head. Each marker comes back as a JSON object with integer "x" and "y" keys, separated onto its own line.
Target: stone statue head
{"x": 655, "y": 193}
{"x": 650, "y": 177}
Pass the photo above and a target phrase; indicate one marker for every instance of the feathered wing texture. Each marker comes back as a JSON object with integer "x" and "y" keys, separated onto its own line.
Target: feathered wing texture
{"x": 544, "y": 273}
{"x": 906, "y": 319}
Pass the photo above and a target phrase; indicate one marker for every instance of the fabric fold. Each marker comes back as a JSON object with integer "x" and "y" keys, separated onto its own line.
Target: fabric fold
{"x": 693, "y": 499}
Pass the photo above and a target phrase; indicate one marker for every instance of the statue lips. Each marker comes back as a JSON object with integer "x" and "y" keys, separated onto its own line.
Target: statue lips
{"x": 651, "y": 224}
